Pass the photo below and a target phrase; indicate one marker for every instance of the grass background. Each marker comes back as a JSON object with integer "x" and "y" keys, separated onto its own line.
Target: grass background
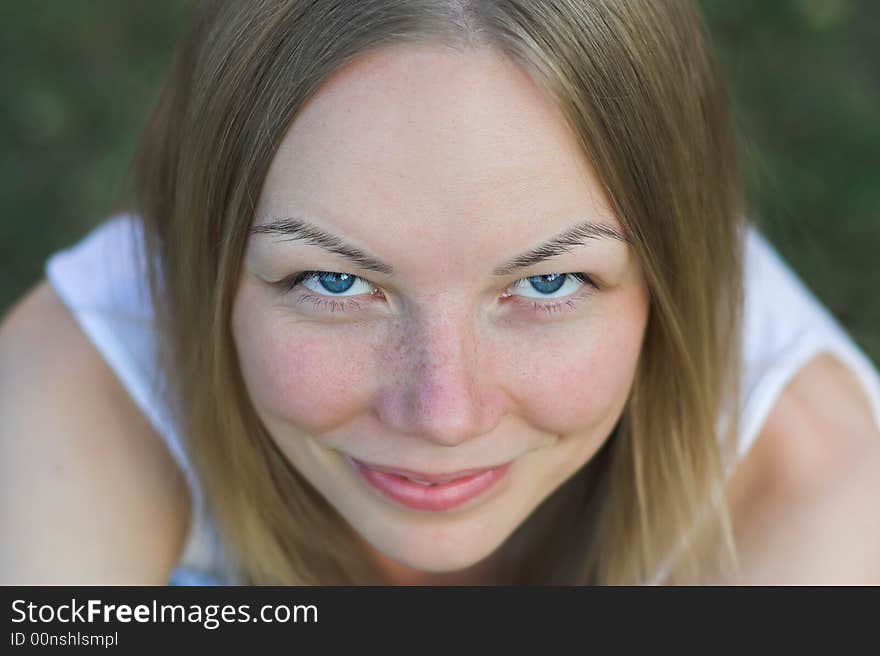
{"x": 82, "y": 75}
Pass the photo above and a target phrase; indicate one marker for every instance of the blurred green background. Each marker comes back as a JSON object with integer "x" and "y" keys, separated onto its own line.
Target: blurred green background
{"x": 82, "y": 75}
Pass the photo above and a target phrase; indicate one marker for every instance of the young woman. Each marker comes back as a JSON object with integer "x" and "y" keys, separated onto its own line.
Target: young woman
{"x": 429, "y": 292}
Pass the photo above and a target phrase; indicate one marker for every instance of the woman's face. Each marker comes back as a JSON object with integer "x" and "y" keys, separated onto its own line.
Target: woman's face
{"x": 441, "y": 336}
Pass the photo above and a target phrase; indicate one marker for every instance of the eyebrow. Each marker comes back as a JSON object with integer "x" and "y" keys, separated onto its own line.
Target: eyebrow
{"x": 299, "y": 229}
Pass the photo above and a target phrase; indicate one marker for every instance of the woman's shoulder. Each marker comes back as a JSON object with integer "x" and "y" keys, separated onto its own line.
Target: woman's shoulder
{"x": 92, "y": 493}
{"x": 785, "y": 327}
{"x": 804, "y": 498}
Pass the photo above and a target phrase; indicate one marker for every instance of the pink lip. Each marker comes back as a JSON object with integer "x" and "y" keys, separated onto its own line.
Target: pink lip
{"x": 430, "y": 478}
{"x": 467, "y": 485}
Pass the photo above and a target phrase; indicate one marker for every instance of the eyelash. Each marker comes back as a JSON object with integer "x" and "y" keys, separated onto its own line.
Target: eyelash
{"x": 287, "y": 285}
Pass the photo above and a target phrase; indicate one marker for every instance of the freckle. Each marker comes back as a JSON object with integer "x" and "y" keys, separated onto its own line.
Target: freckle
{"x": 396, "y": 350}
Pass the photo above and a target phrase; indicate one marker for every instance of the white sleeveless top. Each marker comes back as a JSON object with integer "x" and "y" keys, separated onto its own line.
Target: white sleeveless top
{"x": 103, "y": 283}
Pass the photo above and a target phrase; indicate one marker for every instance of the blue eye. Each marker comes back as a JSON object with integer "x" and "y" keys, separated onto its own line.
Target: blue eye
{"x": 336, "y": 283}
{"x": 577, "y": 287}
{"x": 324, "y": 282}
{"x": 330, "y": 290}
{"x": 549, "y": 283}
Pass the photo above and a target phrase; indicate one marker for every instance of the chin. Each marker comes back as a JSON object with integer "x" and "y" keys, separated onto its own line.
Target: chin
{"x": 433, "y": 549}
{"x": 438, "y": 562}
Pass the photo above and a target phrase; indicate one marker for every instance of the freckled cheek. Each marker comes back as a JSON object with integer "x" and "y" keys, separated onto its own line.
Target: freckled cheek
{"x": 580, "y": 385}
{"x": 294, "y": 377}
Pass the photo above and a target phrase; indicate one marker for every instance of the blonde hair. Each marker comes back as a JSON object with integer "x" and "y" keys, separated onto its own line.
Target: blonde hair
{"x": 638, "y": 86}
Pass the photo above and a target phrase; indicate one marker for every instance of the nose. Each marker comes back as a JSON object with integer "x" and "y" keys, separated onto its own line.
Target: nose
{"x": 436, "y": 388}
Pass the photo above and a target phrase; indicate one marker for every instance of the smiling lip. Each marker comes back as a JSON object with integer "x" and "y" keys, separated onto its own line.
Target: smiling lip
{"x": 422, "y": 476}
{"x": 444, "y": 495}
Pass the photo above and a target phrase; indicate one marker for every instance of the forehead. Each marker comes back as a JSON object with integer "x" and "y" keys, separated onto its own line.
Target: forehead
{"x": 432, "y": 142}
